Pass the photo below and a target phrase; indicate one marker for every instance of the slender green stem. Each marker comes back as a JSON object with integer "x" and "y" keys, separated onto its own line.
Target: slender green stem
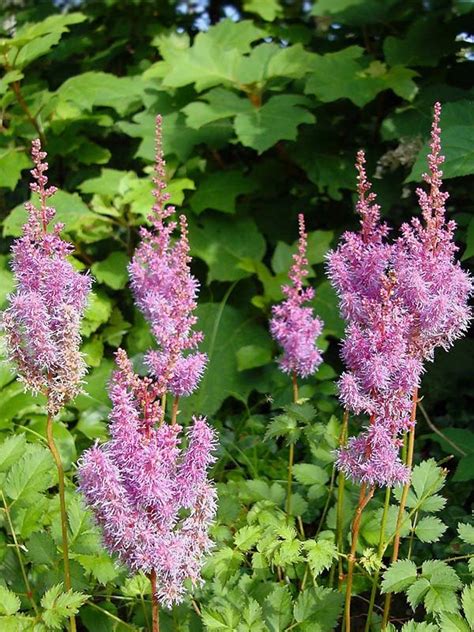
{"x": 62, "y": 505}
{"x": 412, "y": 535}
{"x": 380, "y": 551}
{"x": 91, "y": 604}
{"x": 364, "y": 498}
{"x": 403, "y": 500}
{"x": 291, "y": 455}
{"x": 29, "y": 592}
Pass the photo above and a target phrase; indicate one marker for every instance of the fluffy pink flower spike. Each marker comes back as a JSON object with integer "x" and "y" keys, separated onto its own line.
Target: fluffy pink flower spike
{"x": 293, "y": 325}
{"x": 150, "y": 495}
{"x": 400, "y": 302}
{"x": 166, "y": 292}
{"x": 43, "y": 319}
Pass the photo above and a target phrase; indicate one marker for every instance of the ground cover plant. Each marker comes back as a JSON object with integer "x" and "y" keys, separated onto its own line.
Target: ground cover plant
{"x": 236, "y": 386}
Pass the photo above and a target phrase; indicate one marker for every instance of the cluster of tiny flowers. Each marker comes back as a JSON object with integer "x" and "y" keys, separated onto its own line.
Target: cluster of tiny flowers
{"x": 293, "y": 325}
{"x": 151, "y": 498}
{"x": 432, "y": 284}
{"x": 166, "y": 292}
{"x": 400, "y": 300}
{"x": 42, "y": 322}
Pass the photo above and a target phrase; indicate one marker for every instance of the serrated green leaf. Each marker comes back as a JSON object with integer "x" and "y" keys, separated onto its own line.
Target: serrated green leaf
{"x": 102, "y": 567}
{"x": 12, "y": 163}
{"x": 283, "y": 426}
{"x": 310, "y": 474}
{"x": 399, "y": 576}
{"x": 467, "y": 600}
{"x": 9, "y": 602}
{"x": 92, "y": 89}
{"x": 97, "y": 313}
{"x": 266, "y": 9}
{"x": 247, "y": 536}
{"x": 11, "y": 449}
{"x": 466, "y": 533}
{"x": 414, "y": 626}
{"x": 226, "y": 244}
{"x": 216, "y": 104}
{"x": 33, "y": 473}
{"x": 430, "y": 529}
{"x": 452, "y": 622}
{"x": 277, "y": 609}
{"x": 278, "y": 119}
{"x": 219, "y": 191}
{"x": 320, "y": 555}
{"x": 59, "y": 605}
{"x": 42, "y": 549}
{"x": 113, "y": 270}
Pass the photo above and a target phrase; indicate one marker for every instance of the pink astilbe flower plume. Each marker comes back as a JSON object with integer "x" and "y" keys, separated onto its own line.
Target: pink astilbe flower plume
{"x": 151, "y": 496}
{"x": 293, "y": 325}
{"x": 43, "y": 319}
{"x": 400, "y": 300}
{"x": 166, "y": 292}
{"x": 433, "y": 286}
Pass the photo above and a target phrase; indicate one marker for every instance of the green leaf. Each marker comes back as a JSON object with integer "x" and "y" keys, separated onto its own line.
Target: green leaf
{"x": 214, "y": 56}
{"x": 413, "y": 626}
{"x": 354, "y": 12}
{"x": 219, "y": 191}
{"x": 319, "y": 607}
{"x": 283, "y": 426}
{"x": 399, "y": 576}
{"x": 247, "y": 537}
{"x": 226, "y": 244}
{"x": 59, "y": 605}
{"x": 102, "y": 567}
{"x": 277, "y": 609}
{"x": 427, "y": 479}
{"x": 425, "y": 42}
{"x": 469, "y": 252}
{"x": 33, "y": 473}
{"x": 12, "y": 163}
{"x": 444, "y": 582}
{"x": 42, "y": 549}
{"x": 430, "y": 529}
{"x": 98, "y": 312}
{"x": 348, "y": 74}
{"x": 266, "y": 9}
{"x": 467, "y": 600}
{"x": 11, "y": 449}
{"x": 320, "y": 555}
{"x": 9, "y": 602}
{"x": 252, "y": 356}
{"x": 309, "y": 474}
{"x": 452, "y": 622}
{"x": 466, "y": 533}
{"x": 92, "y": 89}
{"x": 326, "y": 305}
{"x": 278, "y": 119}
{"x": 113, "y": 270}
{"x": 216, "y": 104}
{"x": 225, "y": 563}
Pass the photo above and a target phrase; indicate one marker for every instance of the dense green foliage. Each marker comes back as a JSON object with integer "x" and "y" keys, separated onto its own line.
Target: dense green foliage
{"x": 262, "y": 120}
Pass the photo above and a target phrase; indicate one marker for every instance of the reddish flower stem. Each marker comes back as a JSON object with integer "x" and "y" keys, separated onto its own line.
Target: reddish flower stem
{"x": 155, "y": 613}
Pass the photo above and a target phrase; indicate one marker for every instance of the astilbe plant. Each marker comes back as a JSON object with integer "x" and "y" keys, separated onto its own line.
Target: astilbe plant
{"x": 151, "y": 496}
{"x": 42, "y": 322}
{"x": 295, "y": 328}
{"x": 400, "y": 300}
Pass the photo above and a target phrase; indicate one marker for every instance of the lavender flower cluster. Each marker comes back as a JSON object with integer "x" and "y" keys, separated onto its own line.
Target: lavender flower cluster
{"x": 151, "y": 497}
{"x": 293, "y": 325}
{"x": 401, "y": 300}
{"x": 42, "y": 322}
{"x": 165, "y": 291}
